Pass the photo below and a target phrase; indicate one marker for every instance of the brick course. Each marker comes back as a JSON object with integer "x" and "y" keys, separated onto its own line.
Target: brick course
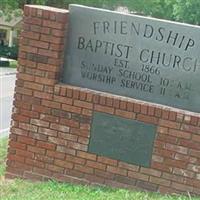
{"x": 51, "y": 122}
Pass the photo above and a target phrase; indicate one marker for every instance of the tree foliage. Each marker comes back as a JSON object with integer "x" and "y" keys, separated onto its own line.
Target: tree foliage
{"x": 187, "y": 11}
{"x": 179, "y": 10}
{"x": 13, "y": 8}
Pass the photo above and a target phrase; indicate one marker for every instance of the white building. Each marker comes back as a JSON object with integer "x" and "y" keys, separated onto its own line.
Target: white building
{"x": 9, "y": 30}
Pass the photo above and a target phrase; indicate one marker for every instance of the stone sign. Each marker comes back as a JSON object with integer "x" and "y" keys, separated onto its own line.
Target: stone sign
{"x": 140, "y": 57}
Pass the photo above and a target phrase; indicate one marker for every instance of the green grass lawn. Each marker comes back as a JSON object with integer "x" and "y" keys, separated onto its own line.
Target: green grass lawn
{"x": 10, "y": 64}
{"x": 25, "y": 190}
{"x": 3, "y": 151}
{"x": 13, "y": 64}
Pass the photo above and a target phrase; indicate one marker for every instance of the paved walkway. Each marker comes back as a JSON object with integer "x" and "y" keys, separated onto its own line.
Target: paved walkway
{"x": 7, "y": 71}
{"x": 7, "y": 82}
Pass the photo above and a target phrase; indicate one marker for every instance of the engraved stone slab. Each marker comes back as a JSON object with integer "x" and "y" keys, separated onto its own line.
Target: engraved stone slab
{"x": 144, "y": 58}
{"x": 122, "y": 139}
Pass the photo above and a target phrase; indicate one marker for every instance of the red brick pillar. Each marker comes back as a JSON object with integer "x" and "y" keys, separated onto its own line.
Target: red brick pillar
{"x": 40, "y": 63}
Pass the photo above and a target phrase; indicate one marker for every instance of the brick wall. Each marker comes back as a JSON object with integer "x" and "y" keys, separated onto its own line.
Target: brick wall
{"x": 51, "y": 122}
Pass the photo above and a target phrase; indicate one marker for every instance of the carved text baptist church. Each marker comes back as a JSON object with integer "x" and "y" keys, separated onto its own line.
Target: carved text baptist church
{"x": 167, "y": 37}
